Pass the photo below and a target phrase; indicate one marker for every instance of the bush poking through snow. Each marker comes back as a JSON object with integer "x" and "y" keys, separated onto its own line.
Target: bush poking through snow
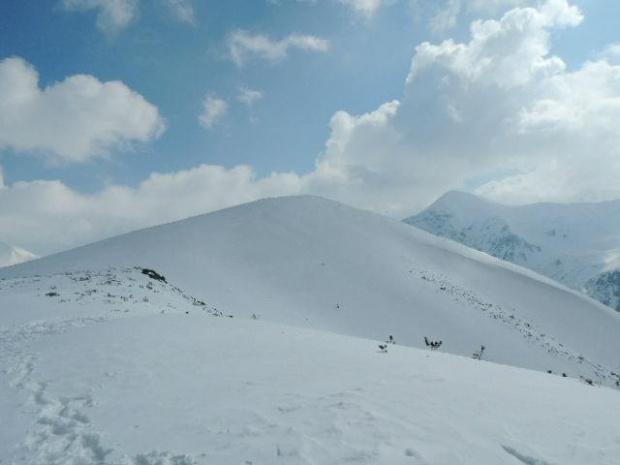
{"x": 588, "y": 381}
{"x": 433, "y": 345}
{"x": 383, "y": 347}
{"x": 478, "y": 354}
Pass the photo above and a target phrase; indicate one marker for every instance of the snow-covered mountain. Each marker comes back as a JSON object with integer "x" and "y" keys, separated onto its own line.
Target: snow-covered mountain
{"x": 250, "y": 336}
{"x": 10, "y": 255}
{"x": 311, "y": 262}
{"x": 575, "y": 244}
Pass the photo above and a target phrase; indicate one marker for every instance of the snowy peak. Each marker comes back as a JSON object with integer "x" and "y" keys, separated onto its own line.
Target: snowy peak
{"x": 160, "y": 318}
{"x": 311, "y": 262}
{"x": 571, "y": 243}
{"x": 10, "y": 255}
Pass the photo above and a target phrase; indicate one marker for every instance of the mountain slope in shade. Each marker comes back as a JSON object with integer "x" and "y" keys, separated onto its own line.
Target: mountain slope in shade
{"x": 10, "y": 255}
{"x": 575, "y": 244}
{"x": 310, "y": 262}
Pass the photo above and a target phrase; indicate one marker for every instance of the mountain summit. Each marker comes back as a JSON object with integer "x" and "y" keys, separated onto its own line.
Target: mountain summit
{"x": 576, "y": 244}
{"x": 310, "y": 262}
{"x": 226, "y": 338}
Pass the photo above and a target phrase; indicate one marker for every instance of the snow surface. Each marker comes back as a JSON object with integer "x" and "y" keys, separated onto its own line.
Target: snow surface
{"x": 107, "y": 386}
{"x": 246, "y": 356}
{"x": 10, "y": 255}
{"x": 315, "y": 263}
{"x": 574, "y": 244}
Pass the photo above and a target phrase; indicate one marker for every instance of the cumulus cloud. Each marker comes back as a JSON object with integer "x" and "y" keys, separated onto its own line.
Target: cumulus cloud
{"x": 242, "y": 46}
{"x": 213, "y": 110}
{"x": 48, "y": 216}
{"x": 499, "y": 102}
{"x": 72, "y": 120}
{"x": 112, "y": 15}
{"x": 249, "y": 96}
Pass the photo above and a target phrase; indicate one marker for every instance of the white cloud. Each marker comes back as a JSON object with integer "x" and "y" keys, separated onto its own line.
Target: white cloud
{"x": 48, "y": 216}
{"x": 183, "y": 10}
{"x": 249, "y": 96}
{"x": 243, "y": 46}
{"x": 112, "y": 15}
{"x": 115, "y": 15}
{"x": 366, "y": 7}
{"x": 447, "y": 16}
{"x": 508, "y": 52}
{"x": 611, "y": 53}
{"x": 72, "y": 120}
{"x": 214, "y": 109}
{"x": 498, "y": 102}
{"x": 493, "y": 6}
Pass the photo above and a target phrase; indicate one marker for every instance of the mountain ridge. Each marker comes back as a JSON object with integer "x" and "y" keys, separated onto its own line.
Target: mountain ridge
{"x": 575, "y": 244}
{"x": 310, "y": 262}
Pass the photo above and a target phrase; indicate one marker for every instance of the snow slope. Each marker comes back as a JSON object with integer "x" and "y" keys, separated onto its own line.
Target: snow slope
{"x": 113, "y": 365}
{"x": 315, "y": 263}
{"x": 191, "y": 389}
{"x": 10, "y": 255}
{"x": 575, "y": 244}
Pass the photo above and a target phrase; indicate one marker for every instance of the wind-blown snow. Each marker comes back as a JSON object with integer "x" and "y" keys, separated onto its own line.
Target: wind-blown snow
{"x": 10, "y": 255}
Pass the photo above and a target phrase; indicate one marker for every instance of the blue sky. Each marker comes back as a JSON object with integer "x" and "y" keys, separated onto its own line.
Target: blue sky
{"x": 174, "y": 64}
{"x": 150, "y": 111}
